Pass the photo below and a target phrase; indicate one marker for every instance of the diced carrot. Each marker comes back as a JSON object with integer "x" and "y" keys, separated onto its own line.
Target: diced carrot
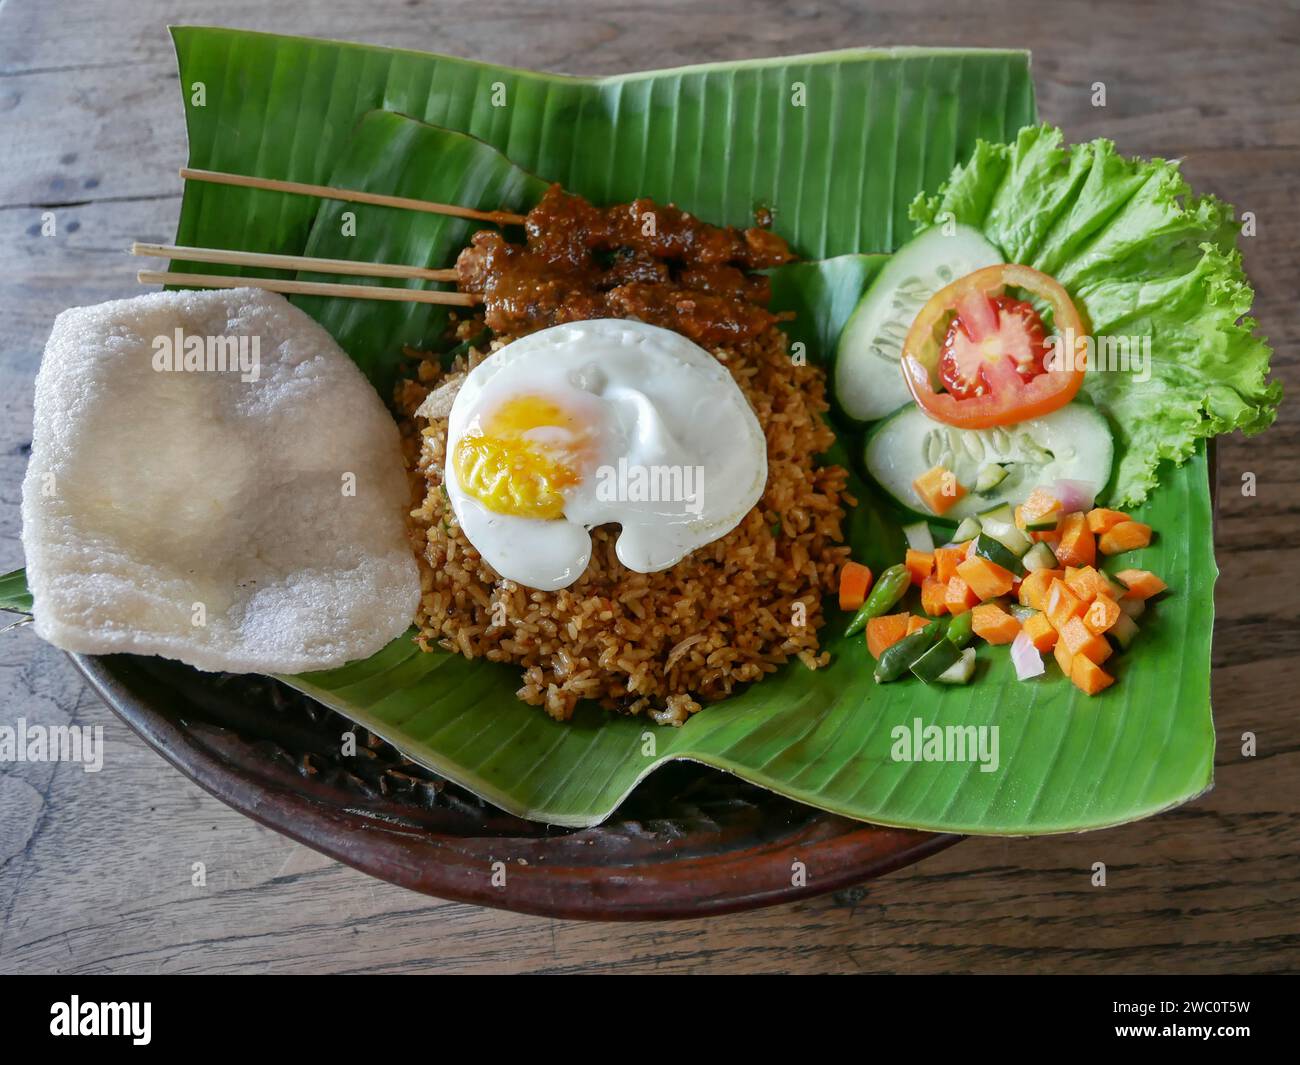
{"x": 855, "y": 582}
{"x": 959, "y": 597}
{"x": 920, "y": 564}
{"x": 1078, "y": 547}
{"x": 916, "y": 623}
{"x": 1040, "y": 632}
{"x": 1101, "y": 520}
{"x": 992, "y": 623}
{"x": 1126, "y": 536}
{"x": 1063, "y": 656}
{"x": 1089, "y": 677}
{"x": 1062, "y": 604}
{"x": 986, "y": 579}
{"x": 946, "y": 560}
{"x": 1033, "y": 589}
{"x": 1101, "y": 614}
{"x": 884, "y": 632}
{"x": 1140, "y": 583}
{"x": 1079, "y": 640}
{"x": 933, "y": 595}
{"x": 1087, "y": 583}
{"x": 938, "y": 489}
{"x": 1040, "y": 504}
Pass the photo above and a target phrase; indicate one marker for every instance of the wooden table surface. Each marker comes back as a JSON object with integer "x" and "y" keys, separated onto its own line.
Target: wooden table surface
{"x": 95, "y": 868}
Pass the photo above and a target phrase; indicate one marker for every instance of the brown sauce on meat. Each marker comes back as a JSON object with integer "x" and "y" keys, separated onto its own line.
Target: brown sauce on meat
{"x": 634, "y": 260}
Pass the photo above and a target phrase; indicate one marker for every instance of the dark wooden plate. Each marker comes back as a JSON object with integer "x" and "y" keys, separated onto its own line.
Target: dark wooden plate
{"x": 690, "y": 841}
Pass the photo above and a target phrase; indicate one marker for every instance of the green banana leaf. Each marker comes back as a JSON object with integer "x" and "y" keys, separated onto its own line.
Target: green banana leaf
{"x": 824, "y": 737}
{"x": 838, "y": 173}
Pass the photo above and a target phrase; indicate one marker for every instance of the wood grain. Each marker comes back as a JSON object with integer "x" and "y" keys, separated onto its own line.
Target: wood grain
{"x": 95, "y": 869}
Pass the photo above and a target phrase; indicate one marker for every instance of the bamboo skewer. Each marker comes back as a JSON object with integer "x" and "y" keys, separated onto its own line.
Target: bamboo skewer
{"x": 309, "y": 288}
{"x": 229, "y": 257}
{"x": 217, "y": 177}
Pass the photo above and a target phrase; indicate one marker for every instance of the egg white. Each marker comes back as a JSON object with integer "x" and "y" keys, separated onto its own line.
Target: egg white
{"x": 657, "y": 404}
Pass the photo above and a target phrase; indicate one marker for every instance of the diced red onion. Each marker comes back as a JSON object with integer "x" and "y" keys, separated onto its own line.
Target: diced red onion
{"x": 1025, "y": 657}
{"x": 1074, "y": 495}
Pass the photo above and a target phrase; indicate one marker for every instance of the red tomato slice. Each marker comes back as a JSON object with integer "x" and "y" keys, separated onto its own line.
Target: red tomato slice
{"x": 985, "y": 329}
{"x": 990, "y": 350}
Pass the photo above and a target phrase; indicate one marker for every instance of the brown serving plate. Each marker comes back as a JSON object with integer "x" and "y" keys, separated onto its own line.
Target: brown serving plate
{"x": 690, "y": 841}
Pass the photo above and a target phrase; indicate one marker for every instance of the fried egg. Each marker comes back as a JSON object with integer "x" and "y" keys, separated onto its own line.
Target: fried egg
{"x": 593, "y": 423}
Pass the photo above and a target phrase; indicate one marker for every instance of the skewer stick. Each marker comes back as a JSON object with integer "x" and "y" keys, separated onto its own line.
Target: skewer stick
{"x": 228, "y": 257}
{"x": 217, "y": 177}
{"x": 309, "y": 288}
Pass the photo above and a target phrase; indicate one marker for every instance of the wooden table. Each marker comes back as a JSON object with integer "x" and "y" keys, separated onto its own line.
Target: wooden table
{"x": 95, "y": 869}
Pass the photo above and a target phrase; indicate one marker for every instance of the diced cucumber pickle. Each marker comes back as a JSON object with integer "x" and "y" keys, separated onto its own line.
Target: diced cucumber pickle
{"x": 918, "y": 536}
{"x": 1040, "y": 556}
{"x": 961, "y": 671}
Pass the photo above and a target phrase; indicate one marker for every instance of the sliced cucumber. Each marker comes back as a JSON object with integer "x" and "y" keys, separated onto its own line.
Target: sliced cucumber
{"x": 967, "y": 530}
{"x": 1022, "y": 613}
{"x": 918, "y": 536}
{"x": 1002, "y": 512}
{"x": 1040, "y": 556}
{"x": 996, "y": 552}
{"x": 1010, "y": 537}
{"x": 1073, "y": 442}
{"x": 961, "y": 671}
{"x": 1045, "y": 524}
{"x": 1133, "y": 608}
{"x": 989, "y": 478}
{"x": 1124, "y": 631}
{"x": 868, "y": 379}
{"x": 936, "y": 662}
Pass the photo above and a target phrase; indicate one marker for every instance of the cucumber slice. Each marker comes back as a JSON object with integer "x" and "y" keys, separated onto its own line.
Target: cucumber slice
{"x": 967, "y": 530}
{"x": 1006, "y": 533}
{"x": 918, "y": 536}
{"x": 1044, "y": 524}
{"x": 989, "y": 478}
{"x": 1002, "y": 512}
{"x": 995, "y": 551}
{"x": 961, "y": 671}
{"x": 936, "y": 662}
{"x": 1022, "y": 613}
{"x": 1133, "y": 608}
{"x": 1124, "y": 631}
{"x": 868, "y": 379}
{"x": 1073, "y": 442}
{"x": 1040, "y": 556}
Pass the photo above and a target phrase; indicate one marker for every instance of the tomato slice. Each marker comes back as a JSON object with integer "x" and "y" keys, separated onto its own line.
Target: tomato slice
{"x": 985, "y": 329}
{"x": 990, "y": 351}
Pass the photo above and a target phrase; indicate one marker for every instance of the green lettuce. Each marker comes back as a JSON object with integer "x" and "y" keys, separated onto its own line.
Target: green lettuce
{"x": 1145, "y": 258}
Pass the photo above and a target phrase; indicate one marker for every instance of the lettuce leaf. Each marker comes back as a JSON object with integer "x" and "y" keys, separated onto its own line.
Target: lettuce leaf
{"x": 1145, "y": 258}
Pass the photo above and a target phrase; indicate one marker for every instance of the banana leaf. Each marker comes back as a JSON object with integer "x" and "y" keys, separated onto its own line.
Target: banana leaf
{"x": 825, "y": 737}
{"x": 836, "y": 146}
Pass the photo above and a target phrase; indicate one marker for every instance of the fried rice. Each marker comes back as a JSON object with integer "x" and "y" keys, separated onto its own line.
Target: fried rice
{"x": 661, "y": 643}
{"x": 731, "y": 612}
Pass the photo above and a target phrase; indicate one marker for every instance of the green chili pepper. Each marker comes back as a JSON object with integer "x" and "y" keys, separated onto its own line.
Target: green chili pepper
{"x": 959, "y": 631}
{"x": 897, "y": 659}
{"x": 891, "y": 587}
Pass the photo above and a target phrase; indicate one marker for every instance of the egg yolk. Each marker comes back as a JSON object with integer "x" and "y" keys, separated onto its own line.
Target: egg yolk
{"x": 522, "y": 456}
